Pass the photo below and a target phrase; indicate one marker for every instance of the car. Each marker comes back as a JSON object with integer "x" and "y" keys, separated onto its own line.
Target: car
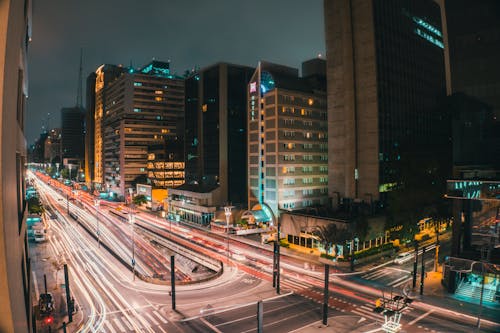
{"x": 46, "y": 304}
{"x": 403, "y": 257}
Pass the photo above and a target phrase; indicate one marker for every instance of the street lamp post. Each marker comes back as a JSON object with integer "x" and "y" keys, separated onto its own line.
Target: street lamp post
{"x": 227, "y": 212}
{"x": 96, "y": 202}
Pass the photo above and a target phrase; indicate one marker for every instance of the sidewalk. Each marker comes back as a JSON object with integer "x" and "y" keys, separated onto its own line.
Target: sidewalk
{"x": 44, "y": 261}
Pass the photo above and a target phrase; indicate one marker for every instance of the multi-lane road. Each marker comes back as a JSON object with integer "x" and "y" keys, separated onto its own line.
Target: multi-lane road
{"x": 111, "y": 301}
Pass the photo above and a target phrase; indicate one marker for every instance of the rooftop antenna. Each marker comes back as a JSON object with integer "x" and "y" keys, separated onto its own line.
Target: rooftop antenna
{"x": 79, "y": 91}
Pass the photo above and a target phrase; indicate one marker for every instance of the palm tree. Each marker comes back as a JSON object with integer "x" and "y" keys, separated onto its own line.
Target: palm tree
{"x": 140, "y": 199}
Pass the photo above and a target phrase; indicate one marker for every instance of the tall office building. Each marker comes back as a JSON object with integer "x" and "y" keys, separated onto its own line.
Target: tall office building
{"x": 473, "y": 81}
{"x": 287, "y": 137}
{"x": 385, "y": 72}
{"x": 96, "y": 100}
{"x": 73, "y": 132}
{"x": 216, "y": 130}
{"x": 15, "y": 273}
{"x": 143, "y": 108}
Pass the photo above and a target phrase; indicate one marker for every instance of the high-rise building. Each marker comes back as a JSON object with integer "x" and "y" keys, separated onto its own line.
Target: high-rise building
{"x": 473, "y": 81}
{"x": 96, "y": 100}
{"x": 385, "y": 72}
{"x": 143, "y": 108}
{"x": 73, "y": 132}
{"x": 473, "y": 49}
{"x": 287, "y": 138}
{"x": 216, "y": 131}
{"x": 16, "y": 308}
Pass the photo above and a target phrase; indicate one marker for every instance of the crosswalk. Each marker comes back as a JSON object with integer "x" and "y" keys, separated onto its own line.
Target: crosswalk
{"x": 389, "y": 277}
{"x": 148, "y": 321}
{"x": 366, "y": 311}
{"x": 293, "y": 285}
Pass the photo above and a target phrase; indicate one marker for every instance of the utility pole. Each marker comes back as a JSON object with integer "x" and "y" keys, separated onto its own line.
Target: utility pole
{"x": 325, "y": 295}
{"x": 260, "y": 317}
{"x": 172, "y": 280}
{"x": 422, "y": 277}
{"x": 415, "y": 264}
{"x": 68, "y": 296}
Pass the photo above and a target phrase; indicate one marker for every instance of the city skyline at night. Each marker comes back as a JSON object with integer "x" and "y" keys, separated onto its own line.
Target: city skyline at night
{"x": 115, "y": 32}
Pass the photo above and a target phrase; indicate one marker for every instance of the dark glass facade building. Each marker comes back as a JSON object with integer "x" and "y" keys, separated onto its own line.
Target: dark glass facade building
{"x": 386, "y": 78}
{"x": 216, "y": 132}
{"x": 73, "y": 132}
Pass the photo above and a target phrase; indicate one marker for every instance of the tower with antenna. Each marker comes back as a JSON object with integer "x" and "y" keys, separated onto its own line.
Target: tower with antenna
{"x": 79, "y": 89}
{"x": 73, "y": 126}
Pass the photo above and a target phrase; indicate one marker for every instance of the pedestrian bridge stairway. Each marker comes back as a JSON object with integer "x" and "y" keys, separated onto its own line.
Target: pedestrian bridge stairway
{"x": 470, "y": 290}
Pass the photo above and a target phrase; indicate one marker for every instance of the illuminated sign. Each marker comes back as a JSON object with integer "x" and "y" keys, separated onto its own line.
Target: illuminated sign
{"x": 253, "y": 87}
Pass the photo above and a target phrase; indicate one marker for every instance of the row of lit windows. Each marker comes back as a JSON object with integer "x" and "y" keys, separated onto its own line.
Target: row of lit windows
{"x": 305, "y": 180}
{"x": 287, "y": 157}
{"x": 306, "y": 135}
{"x": 305, "y": 169}
{"x": 290, "y": 122}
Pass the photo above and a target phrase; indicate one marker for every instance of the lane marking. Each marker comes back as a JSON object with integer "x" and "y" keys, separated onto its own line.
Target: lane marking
{"x": 152, "y": 319}
{"x": 215, "y": 329}
{"x": 159, "y": 316}
{"x": 421, "y": 317}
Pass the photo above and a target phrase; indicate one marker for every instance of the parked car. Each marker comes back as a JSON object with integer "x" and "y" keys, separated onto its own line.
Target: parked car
{"x": 46, "y": 304}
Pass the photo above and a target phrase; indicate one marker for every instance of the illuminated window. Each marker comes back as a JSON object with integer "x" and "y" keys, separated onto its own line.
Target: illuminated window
{"x": 158, "y": 99}
{"x": 158, "y": 92}
{"x": 204, "y": 108}
{"x": 308, "y": 135}
{"x": 165, "y": 130}
{"x": 137, "y": 84}
{"x": 310, "y": 101}
{"x": 137, "y": 110}
{"x": 307, "y": 169}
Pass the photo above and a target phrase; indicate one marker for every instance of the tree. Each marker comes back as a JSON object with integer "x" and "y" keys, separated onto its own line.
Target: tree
{"x": 35, "y": 206}
{"x": 140, "y": 199}
{"x": 331, "y": 235}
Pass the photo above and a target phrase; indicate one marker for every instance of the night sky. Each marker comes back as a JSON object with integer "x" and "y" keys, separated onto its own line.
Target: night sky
{"x": 189, "y": 33}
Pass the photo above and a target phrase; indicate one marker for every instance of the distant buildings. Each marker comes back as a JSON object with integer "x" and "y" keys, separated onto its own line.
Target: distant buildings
{"x": 16, "y": 280}
{"x": 216, "y": 130}
{"x": 287, "y": 137}
{"x": 141, "y": 109}
{"x": 386, "y": 76}
{"x": 52, "y": 146}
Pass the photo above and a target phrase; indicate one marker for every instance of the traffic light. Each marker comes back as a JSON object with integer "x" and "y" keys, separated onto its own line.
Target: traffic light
{"x": 378, "y": 303}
